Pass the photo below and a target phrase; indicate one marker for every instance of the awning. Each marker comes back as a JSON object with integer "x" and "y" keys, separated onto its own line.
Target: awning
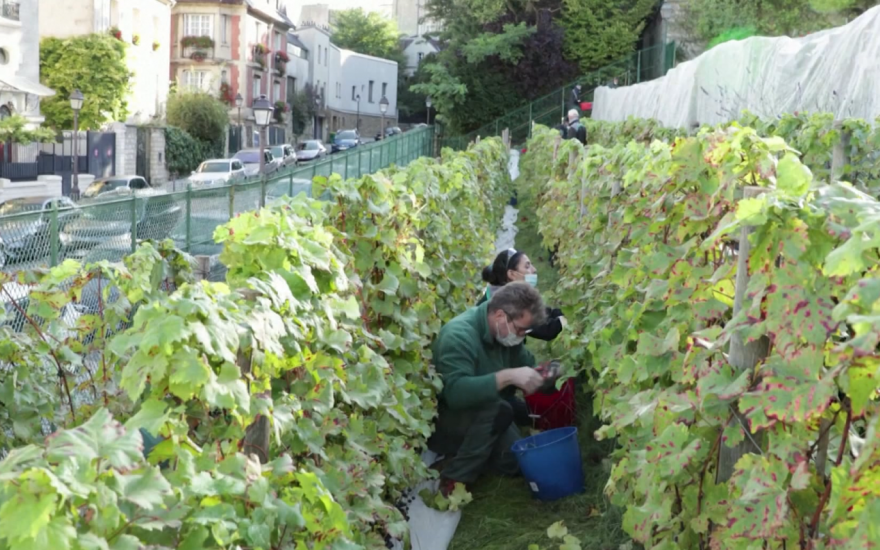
{"x": 25, "y": 85}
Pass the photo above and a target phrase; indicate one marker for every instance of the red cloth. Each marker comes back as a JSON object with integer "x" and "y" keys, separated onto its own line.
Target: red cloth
{"x": 557, "y": 410}
{"x": 586, "y": 105}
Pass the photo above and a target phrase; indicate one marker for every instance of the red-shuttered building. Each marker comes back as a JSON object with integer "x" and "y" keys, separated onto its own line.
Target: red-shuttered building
{"x": 230, "y": 47}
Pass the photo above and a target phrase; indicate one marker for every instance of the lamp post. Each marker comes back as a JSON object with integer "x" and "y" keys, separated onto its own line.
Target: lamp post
{"x": 357, "y": 124}
{"x": 317, "y": 108}
{"x": 238, "y": 102}
{"x": 383, "y": 108}
{"x": 76, "y": 103}
{"x": 262, "y": 115}
{"x": 428, "y": 104}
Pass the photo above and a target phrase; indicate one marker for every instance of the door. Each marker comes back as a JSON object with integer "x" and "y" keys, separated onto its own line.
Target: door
{"x": 102, "y": 154}
{"x": 142, "y": 158}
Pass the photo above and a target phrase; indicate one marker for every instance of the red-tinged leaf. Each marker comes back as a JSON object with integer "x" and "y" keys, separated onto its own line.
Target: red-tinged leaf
{"x": 787, "y": 400}
{"x": 760, "y": 506}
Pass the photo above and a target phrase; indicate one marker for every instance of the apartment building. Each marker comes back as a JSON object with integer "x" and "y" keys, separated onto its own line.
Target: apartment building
{"x": 416, "y": 49}
{"x": 350, "y": 85}
{"x": 411, "y": 17}
{"x": 20, "y": 88}
{"x": 231, "y": 47}
{"x": 143, "y": 24}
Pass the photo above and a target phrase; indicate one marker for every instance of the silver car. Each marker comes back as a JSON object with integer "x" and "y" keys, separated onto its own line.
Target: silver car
{"x": 312, "y": 149}
{"x": 218, "y": 172}
{"x": 283, "y": 155}
{"x": 250, "y": 158}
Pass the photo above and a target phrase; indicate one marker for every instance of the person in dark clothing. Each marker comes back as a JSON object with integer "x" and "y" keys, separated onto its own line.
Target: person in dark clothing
{"x": 512, "y": 266}
{"x": 576, "y": 97}
{"x": 576, "y": 130}
{"x": 613, "y": 83}
{"x": 562, "y": 128}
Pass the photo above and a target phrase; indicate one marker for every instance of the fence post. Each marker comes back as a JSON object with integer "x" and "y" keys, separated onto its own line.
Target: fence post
{"x": 203, "y": 267}
{"x": 133, "y": 223}
{"x": 563, "y": 102}
{"x": 346, "y": 157}
{"x": 231, "y": 201}
{"x": 360, "y": 172}
{"x": 530, "y": 119}
{"x": 839, "y": 153}
{"x": 743, "y": 355}
{"x": 290, "y": 187}
{"x": 188, "y": 217}
{"x": 314, "y": 169}
{"x": 263, "y": 191}
{"x": 370, "y": 160}
{"x": 639, "y": 66}
{"x": 53, "y": 235}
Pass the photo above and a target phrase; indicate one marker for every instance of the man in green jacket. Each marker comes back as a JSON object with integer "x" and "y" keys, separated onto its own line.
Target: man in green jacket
{"x": 481, "y": 358}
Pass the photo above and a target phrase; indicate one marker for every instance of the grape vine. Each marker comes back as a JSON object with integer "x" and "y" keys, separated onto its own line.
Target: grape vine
{"x": 290, "y": 402}
{"x": 646, "y": 222}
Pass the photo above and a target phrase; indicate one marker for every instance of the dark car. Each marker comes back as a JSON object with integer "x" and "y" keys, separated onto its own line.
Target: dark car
{"x": 345, "y": 140}
{"x": 390, "y": 131}
{"x": 26, "y": 227}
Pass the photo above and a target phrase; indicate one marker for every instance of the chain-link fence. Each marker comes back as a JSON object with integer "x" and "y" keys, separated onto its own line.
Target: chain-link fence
{"x": 54, "y": 231}
{"x": 640, "y": 66}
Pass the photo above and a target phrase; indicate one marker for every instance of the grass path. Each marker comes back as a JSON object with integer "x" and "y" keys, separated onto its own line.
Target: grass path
{"x": 503, "y": 515}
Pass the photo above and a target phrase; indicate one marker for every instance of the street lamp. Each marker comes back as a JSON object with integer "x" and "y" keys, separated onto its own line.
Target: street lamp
{"x": 76, "y": 103}
{"x": 238, "y": 103}
{"x": 383, "y": 108}
{"x": 428, "y": 104}
{"x": 317, "y": 109}
{"x": 262, "y": 115}
{"x": 357, "y": 124}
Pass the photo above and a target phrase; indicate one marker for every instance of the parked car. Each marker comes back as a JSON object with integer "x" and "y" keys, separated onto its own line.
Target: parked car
{"x": 311, "y": 150}
{"x": 26, "y": 227}
{"x": 117, "y": 185}
{"x": 345, "y": 140}
{"x": 390, "y": 131}
{"x": 250, "y": 158}
{"x": 218, "y": 172}
{"x": 284, "y": 155}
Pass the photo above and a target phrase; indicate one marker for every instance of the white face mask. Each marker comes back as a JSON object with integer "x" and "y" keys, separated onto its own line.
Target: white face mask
{"x": 532, "y": 279}
{"x": 512, "y": 339}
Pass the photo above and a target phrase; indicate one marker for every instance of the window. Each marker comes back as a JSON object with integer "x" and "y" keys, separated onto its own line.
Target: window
{"x": 138, "y": 183}
{"x": 319, "y": 55}
{"x": 421, "y": 56}
{"x": 197, "y": 25}
{"x": 278, "y": 41}
{"x": 259, "y": 35}
{"x": 354, "y": 93}
{"x": 195, "y": 80}
{"x": 258, "y": 86}
{"x": 384, "y": 89}
{"x": 236, "y": 165}
{"x": 276, "y": 92}
{"x": 224, "y": 77}
{"x": 224, "y": 29}
{"x": 370, "y": 93}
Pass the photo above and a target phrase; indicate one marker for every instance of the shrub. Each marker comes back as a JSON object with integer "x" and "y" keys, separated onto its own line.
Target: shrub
{"x": 183, "y": 153}
{"x": 201, "y": 115}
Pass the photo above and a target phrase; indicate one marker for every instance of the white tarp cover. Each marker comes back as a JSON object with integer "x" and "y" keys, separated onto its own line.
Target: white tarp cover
{"x": 836, "y": 71}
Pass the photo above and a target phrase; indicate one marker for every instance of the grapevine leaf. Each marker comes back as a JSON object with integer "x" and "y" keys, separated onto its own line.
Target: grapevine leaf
{"x": 557, "y": 531}
{"x": 792, "y": 178}
{"x": 146, "y": 490}
{"x": 761, "y": 507}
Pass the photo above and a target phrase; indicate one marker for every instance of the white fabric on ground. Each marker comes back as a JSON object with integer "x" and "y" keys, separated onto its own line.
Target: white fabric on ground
{"x": 835, "y": 71}
{"x": 431, "y": 529}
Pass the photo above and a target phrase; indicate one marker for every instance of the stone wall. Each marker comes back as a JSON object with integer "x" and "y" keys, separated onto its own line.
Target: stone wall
{"x": 158, "y": 171}
{"x": 126, "y": 152}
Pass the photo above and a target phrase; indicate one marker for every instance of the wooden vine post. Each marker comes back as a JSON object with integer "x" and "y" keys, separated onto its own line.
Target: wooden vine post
{"x": 743, "y": 355}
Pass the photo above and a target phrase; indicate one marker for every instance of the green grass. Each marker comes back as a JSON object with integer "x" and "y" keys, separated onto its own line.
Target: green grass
{"x": 503, "y": 515}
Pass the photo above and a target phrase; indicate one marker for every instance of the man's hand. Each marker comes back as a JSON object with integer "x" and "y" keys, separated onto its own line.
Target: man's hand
{"x": 526, "y": 378}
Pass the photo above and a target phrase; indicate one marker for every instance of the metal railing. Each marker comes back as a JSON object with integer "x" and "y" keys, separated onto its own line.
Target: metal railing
{"x": 640, "y": 66}
{"x": 111, "y": 229}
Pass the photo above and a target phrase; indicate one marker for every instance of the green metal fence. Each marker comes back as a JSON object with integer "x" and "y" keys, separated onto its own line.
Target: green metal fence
{"x": 110, "y": 229}
{"x": 640, "y": 66}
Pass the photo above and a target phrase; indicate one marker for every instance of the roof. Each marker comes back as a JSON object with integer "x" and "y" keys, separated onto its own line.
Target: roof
{"x": 271, "y": 14}
{"x": 409, "y": 40}
{"x": 22, "y": 84}
{"x": 294, "y": 40}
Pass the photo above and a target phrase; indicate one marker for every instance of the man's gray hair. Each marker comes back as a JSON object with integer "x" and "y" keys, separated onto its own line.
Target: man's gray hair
{"x": 573, "y": 115}
{"x": 515, "y": 299}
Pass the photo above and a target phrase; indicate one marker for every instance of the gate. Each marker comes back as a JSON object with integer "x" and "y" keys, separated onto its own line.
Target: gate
{"x": 235, "y": 143}
{"x": 102, "y": 154}
{"x": 142, "y": 153}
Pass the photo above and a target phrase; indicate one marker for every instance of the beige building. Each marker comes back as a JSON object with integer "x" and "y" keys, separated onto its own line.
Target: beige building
{"x": 230, "y": 47}
{"x": 143, "y": 24}
{"x": 411, "y": 17}
{"x": 20, "y": 88}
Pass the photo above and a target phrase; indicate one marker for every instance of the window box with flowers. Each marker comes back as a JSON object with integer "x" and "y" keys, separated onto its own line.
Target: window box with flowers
{"x": 226, "y": 94}
{"x": 260, "y": 52}
{"x": 197, "y": 47}
{"x": 281, "y": 108}
{"x": 116, "y": 33}
{"x": 281, "y": 60}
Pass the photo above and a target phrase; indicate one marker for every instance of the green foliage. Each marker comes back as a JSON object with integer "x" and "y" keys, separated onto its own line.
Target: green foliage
{"x": 201, "y": 115}
{"x": 95, "y": 65}
{"x": 291, "y": 401}
{"x": 184, "y": 153}
{"x": 504, "y": 45}
{"x": 739, "y": 33}
{"x": 12, "y": 130}
{"x": 600, "y": 31}
{"x": 648, "y": 275}
{"x": 367, "y": 33}
{"x": 302, "y": 109}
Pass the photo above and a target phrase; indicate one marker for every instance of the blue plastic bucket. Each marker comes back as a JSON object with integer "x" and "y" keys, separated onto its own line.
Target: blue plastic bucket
{"x": 551, "y": 463}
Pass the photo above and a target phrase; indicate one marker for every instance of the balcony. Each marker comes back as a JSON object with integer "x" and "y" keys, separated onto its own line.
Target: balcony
{"x": 197, "y": 48}
{"x": 10, "y": 10}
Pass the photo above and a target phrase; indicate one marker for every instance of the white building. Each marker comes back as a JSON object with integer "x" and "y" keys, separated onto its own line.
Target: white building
{"x": 350, "y": 85}
{"x": 20, "y": 88}
{"x": 411, "y": 18}
{"x": 417, "y": 48}
{"x": 144, "y": 24}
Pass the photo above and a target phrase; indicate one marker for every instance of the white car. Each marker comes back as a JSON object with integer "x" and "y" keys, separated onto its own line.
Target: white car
{"x": 250, "y": 158}
{"x": 311, "y": 150}
{"x": 218, "y": 172}
{"x": 283, "y": 154}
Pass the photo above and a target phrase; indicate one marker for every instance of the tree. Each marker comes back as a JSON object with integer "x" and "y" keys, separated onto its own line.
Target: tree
{"x": 13, "y": 130}
{"x": 302, "y": 109}
{"x": 368, "y": 34}
{"x": 201, "y": 115}
{"x": 95, "y": 65}
{"x": 598, "y": 32}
